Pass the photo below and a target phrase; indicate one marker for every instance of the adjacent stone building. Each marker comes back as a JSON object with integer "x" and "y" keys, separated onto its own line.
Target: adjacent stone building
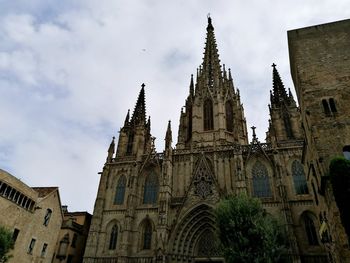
{"x": 320, "y": 67}
{"x": 72, "y": 237}
{"x": 34, "y": 215}
{"x": 158, "y": 207}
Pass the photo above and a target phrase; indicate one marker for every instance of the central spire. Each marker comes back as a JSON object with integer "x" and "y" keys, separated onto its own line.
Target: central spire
{"x": 211, "y": 69}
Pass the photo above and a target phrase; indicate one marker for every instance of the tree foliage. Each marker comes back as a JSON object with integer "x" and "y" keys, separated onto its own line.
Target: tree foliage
{"x": 6, "y": 243}
{"x": 339, "y": 171}
{"x": 247, "y": 233}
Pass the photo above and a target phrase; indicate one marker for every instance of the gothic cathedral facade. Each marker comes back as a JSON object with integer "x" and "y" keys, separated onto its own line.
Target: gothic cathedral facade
{"x": 159, "y": 206}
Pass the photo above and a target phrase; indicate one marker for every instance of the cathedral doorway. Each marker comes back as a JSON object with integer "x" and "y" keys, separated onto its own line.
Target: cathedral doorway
{"x": 207, "y": 248}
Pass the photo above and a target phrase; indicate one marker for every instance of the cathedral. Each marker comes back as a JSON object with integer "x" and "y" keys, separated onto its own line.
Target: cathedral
{"x": 158, "y": 207}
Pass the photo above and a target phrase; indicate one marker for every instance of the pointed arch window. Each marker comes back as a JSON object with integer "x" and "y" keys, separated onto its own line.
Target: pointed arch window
{"x": 147, "y": 235}
{"x": 189, "y": 125}
{"x": 130, "y": 144}
{"x": 287, "y": 125}
{"x": 261, "y": 182}
{"x": 299, "y": 179}
{"x": 113, "y": 238}
{"x": 151, "y": 189}
{"x": 208, "y": 115}
{"x": 310, "y": 230}
{"x": 229, "y": 116}
{"x": 47, "y": 217}
{"x": 120, "y": 191}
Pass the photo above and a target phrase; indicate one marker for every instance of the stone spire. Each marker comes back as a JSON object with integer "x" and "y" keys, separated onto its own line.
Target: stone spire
{"x": 139, "y": 114}
{"x": 279, "y": 93}
{"x": 168, "y": 136}
{"x": 191, "y": 87}
{"x": 211, "y": 63}
{"x": 127, "y": 118}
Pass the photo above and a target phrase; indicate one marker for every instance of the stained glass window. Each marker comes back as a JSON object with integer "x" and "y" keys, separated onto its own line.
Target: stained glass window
{"x": 207, "y": 245}
{"x": 261, "y": 182}
{"x": 299, "y": 178}
{"x": 120, "y": 191}
{"x": 310, "y": 230}
{"x": 113, "y": 238}
{"x": 208, "y": 115}
{"x": 151, "y": 189}
{"x": 229, "y": 116}
{"x": 147, "y": 235}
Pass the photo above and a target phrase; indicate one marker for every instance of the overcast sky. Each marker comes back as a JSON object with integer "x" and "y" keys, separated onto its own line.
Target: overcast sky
{"x": 70, "y": 70}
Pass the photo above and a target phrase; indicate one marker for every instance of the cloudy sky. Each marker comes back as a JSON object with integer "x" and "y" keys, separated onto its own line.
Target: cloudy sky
{"x": 70, "y": 70}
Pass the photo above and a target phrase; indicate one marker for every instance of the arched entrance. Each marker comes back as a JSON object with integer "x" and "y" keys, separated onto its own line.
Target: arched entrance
{"x": 194, "y": 237}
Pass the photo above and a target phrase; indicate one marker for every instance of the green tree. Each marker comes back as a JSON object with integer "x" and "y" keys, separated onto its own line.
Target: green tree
{"x": 247, "y": 233}
{"x": 339, "y": 171}
{"x": 6, "y": 243}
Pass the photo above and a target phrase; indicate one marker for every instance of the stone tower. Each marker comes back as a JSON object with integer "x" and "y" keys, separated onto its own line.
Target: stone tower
{"x": 158, "y": 207}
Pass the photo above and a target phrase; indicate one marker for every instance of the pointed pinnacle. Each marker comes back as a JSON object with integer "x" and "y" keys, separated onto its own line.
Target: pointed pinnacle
{"x": 127, "y": 118}
{"x": 111, "y": 146}
{"x": 191, "y": 86}
{"x": 168, "y": 136}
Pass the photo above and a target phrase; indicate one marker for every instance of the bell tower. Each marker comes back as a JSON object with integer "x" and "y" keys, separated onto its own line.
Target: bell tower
{"x": 284, "y": 113}
{"x": 213, "y": 112}
{"x": 135, "y": 135}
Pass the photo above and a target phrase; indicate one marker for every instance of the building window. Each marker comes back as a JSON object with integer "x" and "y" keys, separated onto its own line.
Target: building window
{"x": 326, "y": 109}
{"x": 120, "y": 191}
{"x": 31, "y": 246}
{"x": 189, "y": 125}
{"x": 346, "y": 152}
{"x": 261, "y": 182}
{"x": 300, "y": 184}
{"x": 15, "y": 235}
{"x": 74, "y": 240}
{"x": 315, "y": 192}
{"x": 130, "y": 143}
{"x": 229, "y": 116}
{"x": 147, "y": 235}
{"x": 310, "y": 231}
{"x": 43, "y": 250}
{"x": 151, "y": 189}
{"x": 70, "y": 259}
{"x": 63, "y": 247}
{"x": 329, "y": 106}
{"x": 287, "y": 125}
{"x": 332, "y": 105}
{"x": 47, "y": 217}
{"x": 113, "y": 238}
{"x": 208, "y": 115}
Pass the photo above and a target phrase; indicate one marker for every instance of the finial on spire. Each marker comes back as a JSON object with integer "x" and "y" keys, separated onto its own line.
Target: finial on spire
{"x": 143, "y": 85}
{"x": 254, "y": 135}
{"x": 273, "y": 65}
{"x": 210, "y": 25}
